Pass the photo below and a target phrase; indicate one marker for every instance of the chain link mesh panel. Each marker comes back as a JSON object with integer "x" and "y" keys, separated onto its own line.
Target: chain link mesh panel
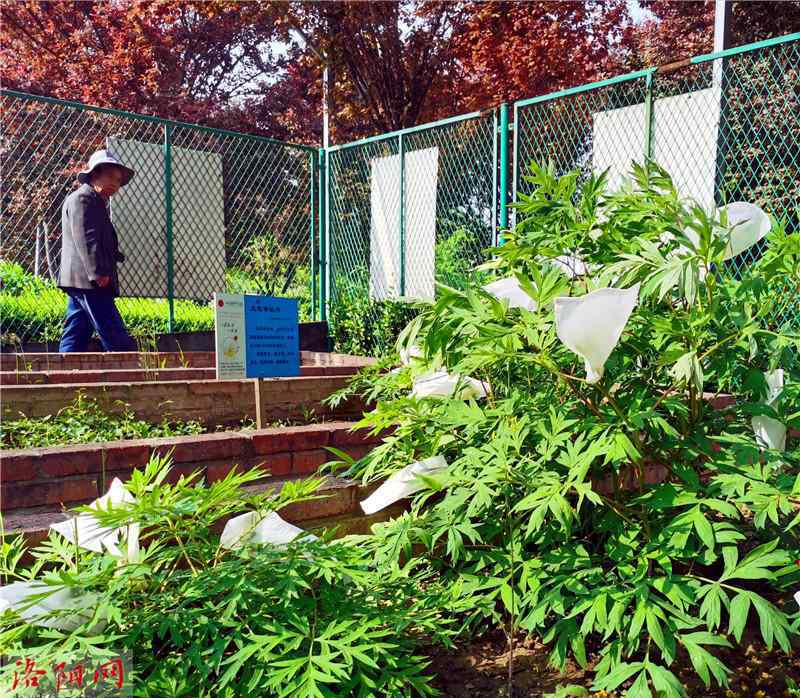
{"x": 241, "y": 217}
{"x": 260, "y": 231}
{"x": 760, "y": 149}
{"x": 580, "y": 130}
{"x": 725, "y": 130}
{"x": 387, "y": 249}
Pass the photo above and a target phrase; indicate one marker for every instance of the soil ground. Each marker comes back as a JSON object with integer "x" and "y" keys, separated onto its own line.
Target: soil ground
{"x": 479, "y": 669}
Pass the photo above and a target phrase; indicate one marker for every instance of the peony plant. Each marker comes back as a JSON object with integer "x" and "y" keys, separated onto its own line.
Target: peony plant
{"x": 611, "y": 491}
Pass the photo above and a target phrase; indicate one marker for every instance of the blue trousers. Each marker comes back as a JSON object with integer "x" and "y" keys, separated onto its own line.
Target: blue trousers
{"x": 89, "y": 312}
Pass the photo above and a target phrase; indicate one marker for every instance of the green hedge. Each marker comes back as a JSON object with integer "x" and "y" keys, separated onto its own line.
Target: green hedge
{"x": 33, "y": 310}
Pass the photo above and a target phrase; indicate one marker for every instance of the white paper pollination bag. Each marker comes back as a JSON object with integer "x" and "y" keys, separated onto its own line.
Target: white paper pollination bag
{"x": 770, "y": 432}
{"x": 254, "y": 528}
{"x": 76, "y": 608}
{"x": 443, "y": 384}
{"x": 747, "y": 224}
{"x": 592, "y": 325}
{"x": 85, "y": 530}
{"x": 509, "y": 289}
{"x": 403, "y": 484}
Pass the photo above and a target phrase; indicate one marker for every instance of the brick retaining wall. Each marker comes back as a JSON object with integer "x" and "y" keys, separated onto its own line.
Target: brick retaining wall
{"x": 97, "y": 361}
{"x": 68, "y": 475}
{"x": 211, "y": 402}
{"x": 138, "y": 375}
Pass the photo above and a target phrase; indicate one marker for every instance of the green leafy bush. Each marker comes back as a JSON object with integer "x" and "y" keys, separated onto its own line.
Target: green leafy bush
{"x": 363, "y": 326}
{"x": 33, "y": 309}
{"x": 84, "y": 421}
{"x": 310, "y": 618}
{"x": 14, "y": 281}
{"x": 462, "y": 239}
{"x": 635, "y": 518}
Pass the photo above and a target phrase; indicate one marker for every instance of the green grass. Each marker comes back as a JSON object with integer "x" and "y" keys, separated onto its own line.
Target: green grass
{"x": 32, "y": 309}
{"x": 84, "y": 421}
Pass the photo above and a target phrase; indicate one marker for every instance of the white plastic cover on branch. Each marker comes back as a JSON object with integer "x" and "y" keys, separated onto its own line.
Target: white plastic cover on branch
{"x": 85, "y": 530}
{"x": 592, "y": 325}
{"x": 403, "y": 484}
{"x": 771, "y": 433}
{"x": 79, "y": 607}
{"x": 254, "y": 528}
{"x": 746, "y": 225}
{"x": 509, "y": 289}
{"x": 443, "y": 384}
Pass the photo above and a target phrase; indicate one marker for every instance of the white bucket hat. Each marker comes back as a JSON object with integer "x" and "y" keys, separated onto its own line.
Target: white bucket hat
{"x": 105, "y": 157}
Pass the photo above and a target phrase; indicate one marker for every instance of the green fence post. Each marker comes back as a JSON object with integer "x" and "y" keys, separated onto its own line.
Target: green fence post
{"x": 648, "y": 116}
{"x": 503, "y": 166}
{"x": 312, "y": 234}
{"x": 495, "y": 155}
{"x": 402, "y": 150}
{"x": 323, "y": 253}
{"x": 168, "y": 224}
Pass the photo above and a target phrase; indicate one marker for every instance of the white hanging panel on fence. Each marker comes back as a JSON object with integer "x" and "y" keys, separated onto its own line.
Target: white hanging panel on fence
{"x": 198, "y": 221}
{"x": 685, "y": 129}
{"x": 384, "y": 250}
{"x": 421, "y": 178}
{"x": 617, "y": 140}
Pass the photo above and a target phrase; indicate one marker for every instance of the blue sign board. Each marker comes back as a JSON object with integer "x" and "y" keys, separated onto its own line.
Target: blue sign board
{"x": 272, "y": 337}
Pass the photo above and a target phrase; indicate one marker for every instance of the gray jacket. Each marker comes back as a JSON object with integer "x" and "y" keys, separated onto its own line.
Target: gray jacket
{"x": 89, "y": 245}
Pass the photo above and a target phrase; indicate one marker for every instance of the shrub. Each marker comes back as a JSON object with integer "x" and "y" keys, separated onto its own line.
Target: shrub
{"x": 363, "y": 326}
{"x": 634, "y": 515}
{"x": 310, "y": 618}
{"x": 33, "y": 310}
{"x": 457, "y": 256}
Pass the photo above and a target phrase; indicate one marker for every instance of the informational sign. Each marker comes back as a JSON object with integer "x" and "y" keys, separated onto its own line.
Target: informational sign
{"x": 229, "y": 336}
{"x": 273, "y": 338}
{"x": 256, "y": 336}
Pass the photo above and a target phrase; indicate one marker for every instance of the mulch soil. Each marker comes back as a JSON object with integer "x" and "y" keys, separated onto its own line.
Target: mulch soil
{"x": 479, "y": 669}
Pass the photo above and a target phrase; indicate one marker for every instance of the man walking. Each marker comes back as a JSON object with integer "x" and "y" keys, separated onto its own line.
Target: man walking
{"x": 89, "y": 257}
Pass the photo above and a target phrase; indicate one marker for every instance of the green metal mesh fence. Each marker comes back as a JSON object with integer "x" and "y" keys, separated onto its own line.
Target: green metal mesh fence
{"x": 399, "y": 225}
{"x": 208, "y": 211}
{"x": 400, "y": 211}
{"x": 563, "y": 129}
{"x": 725, "y": 129}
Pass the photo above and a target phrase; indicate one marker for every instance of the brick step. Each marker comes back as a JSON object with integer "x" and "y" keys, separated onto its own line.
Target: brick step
{"x": 337, "y": 508}
{"x": 70, "y": 475}
{"x": 132, "y": 375}
{"x": 97, "y": 361}
{"x": 211, "y": 402}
